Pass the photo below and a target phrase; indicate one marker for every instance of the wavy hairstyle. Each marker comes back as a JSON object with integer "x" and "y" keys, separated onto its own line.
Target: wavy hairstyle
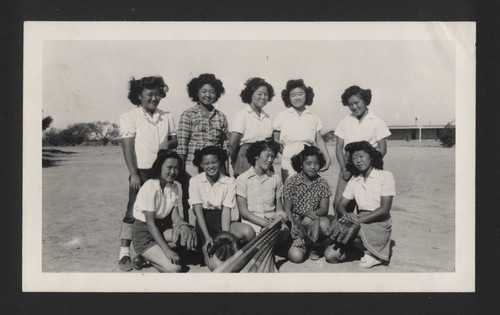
{"x": 365, "y": 95}
{"x": 375, "y": 155}
{"x": 251, "y": 86}
{"x": 221, "y": 155}
{"x": 257, "y": 147}
{"x": 207, "y": 78}
{"x": 161, "y": 157}
{"x": 300, "y": 157}
{"x": 137, "y": 86}
{"x": 293, "y": 84}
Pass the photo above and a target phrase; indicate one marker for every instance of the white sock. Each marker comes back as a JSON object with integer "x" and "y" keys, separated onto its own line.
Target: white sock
{"x": 124, "y": 251}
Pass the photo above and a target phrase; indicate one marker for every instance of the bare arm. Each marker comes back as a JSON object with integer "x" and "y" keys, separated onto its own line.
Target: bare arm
{"x": 378, "y": 214}
{"x": 382, "y": 146}
{"x": 128, "y": 147}
{"x": 342, "y": 206}
{"x": 172, "y": 143}
{"x": 276, "y": 136}
{"x": 247, "y": 215}
{"x": 225, "y": 219}
{"x": 287, "y": 206}
{"x": 323, "y": 207}
{"x": 158, "y": 237}
{"x": 339, "y": 153}
{"x": 234, "y": 145}
{"x": 320, "y": 143}
{"x": 200, "y": 220}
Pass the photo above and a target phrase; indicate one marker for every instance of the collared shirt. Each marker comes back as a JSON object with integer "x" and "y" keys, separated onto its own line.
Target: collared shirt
{"x": 152, "y": 198}
{"x": 151, "y": 133}
{"x": 305, "y": 198}
{"x": 367, "y": 192}
{"x": 371, "y": 129}
{"x": 294, "y": 128}
{"x": 222, "y": 193}
{"x": 198, "y": 130}
{"x": 253, "y": 127}
{"x": 259, "y": 191}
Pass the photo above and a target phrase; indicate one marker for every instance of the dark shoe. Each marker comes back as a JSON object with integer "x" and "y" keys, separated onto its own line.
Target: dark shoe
{"x": 140, "y": 262}
{"x": 125, "y": 263}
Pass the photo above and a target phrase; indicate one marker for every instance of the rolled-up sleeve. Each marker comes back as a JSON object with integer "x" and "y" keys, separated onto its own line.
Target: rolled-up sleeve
{"x": 241, "y": 187}
{"x": 349, "y": 190}
{"x": 388, "y": 187}
{"x": 127, "y": 125}
{"x": 194, "y": 192}
{"x": 229, "y": 199}
{"x": 278, "y": 122}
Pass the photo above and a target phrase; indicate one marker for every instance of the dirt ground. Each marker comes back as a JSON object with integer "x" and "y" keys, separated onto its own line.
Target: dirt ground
{"x": 85, "y": 195}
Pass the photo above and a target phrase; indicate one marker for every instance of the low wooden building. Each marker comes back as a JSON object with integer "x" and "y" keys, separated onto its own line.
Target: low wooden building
{"x": 425, "y": 132}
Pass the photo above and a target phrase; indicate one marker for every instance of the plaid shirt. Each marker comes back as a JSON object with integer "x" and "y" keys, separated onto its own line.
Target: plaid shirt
{"x": 259, "y": 191}
{"x": 198, "y": 130}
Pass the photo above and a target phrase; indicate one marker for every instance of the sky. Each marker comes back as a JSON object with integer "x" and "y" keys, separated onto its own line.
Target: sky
{"x": 87, "y": 80}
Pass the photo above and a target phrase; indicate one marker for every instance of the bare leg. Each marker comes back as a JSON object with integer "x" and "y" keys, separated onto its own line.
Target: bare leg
{"x": 157, "y": 257}
{"x": 296, "y": 254}
{"x": 242, "y": 231}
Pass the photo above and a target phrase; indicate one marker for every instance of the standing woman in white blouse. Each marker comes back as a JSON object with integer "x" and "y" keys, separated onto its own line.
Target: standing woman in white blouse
{"x": 250, "y": 124}
{"x": 296, "y": 126}
{"x": 361, "y": 125}
{"x": 144, "y": 131}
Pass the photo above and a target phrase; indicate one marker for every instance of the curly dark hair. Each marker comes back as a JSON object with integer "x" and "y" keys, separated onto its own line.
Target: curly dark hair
{"x": 375, "y": 155}
{"x": 365, "y": 95}
{"x": 292, "y": 84}
{"x": 136, "y": 87}
{"x": 256, "y": 149}
{"x": 300, "y": 157}
{"x": 161, "y": 157}
{"x": 221, "y": 154}
{"x": 207, "y": 78}
{"x": 251, "y": 86}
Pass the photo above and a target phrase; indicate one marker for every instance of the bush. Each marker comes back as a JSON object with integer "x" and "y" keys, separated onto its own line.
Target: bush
{"x": 447, "y": 138}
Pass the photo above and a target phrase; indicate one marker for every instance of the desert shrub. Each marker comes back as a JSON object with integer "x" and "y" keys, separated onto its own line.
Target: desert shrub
{"x": 447, "y": 138}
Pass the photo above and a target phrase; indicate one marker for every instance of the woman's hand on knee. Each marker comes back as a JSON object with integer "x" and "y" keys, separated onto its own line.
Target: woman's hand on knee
{"x": 172, "y": 256}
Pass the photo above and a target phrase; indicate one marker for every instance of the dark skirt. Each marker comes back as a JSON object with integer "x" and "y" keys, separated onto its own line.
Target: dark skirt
{"x": 213, "y": 222}
{"x": 142, "y": 238}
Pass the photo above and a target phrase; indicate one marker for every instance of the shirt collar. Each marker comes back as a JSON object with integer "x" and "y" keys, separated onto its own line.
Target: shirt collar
{"x": 222, "y": 178}
{"x": 153, "y": 120}
{"x": 251, "y": 173}
{"x": 301, "y": 179}
{"x": 375, "y": 173}
{"x": 263, "y": 114}
{"x": 369, "y": 115}
{"x": 197, "y": 109}
{"x": 292, "y": 111}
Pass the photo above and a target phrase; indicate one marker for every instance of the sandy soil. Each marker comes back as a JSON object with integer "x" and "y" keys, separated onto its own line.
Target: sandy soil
{"x": 85, "y": 195}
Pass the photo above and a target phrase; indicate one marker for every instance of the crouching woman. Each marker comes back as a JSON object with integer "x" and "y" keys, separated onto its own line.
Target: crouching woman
{"x": 158, "y": 228}
{"x": 373, "y": 190}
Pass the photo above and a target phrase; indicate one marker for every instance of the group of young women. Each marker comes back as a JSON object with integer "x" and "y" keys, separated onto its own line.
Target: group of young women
{"x": 189, "y": 166}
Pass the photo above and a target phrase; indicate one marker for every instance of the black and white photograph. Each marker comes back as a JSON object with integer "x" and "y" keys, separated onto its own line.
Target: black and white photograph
{"x": 283, "y": 156}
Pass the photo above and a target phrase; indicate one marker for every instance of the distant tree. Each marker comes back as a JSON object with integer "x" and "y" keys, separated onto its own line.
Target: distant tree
{"x": 46, "y": 122}
{"x": 104, "y": 131}
{"x": 447, "y": 138}
{"x": 76, "y": 134}
{"x": 52, "y": 137}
